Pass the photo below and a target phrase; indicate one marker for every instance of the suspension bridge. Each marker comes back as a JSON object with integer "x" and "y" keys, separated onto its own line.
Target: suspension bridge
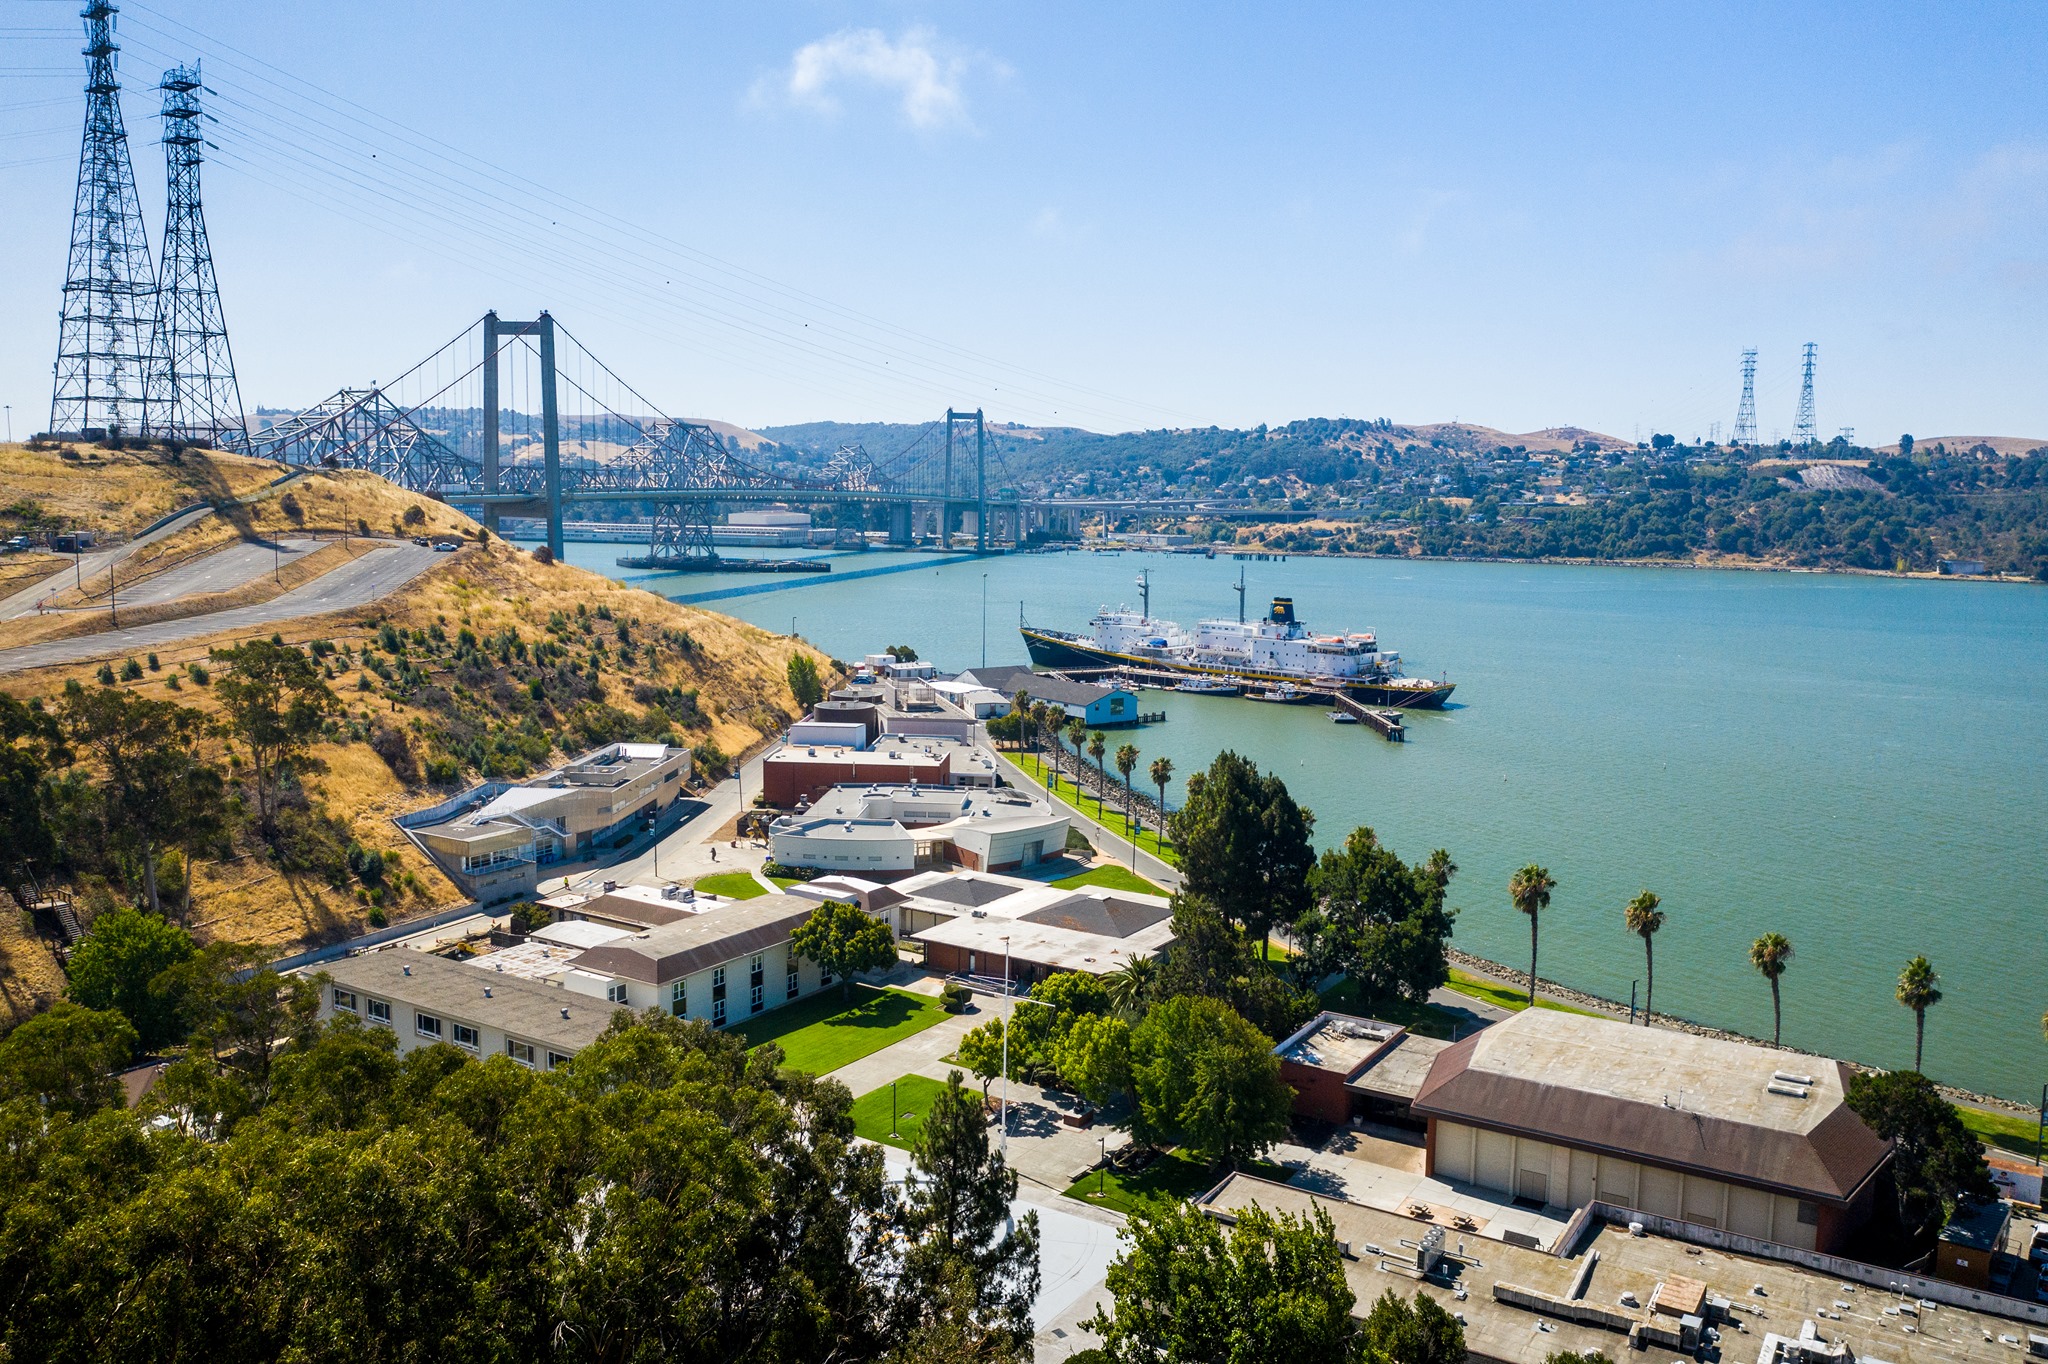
{"x": 519, "y": 418}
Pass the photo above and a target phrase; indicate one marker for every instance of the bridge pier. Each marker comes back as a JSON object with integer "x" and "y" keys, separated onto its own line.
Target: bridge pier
{"x": 899, "y": 524}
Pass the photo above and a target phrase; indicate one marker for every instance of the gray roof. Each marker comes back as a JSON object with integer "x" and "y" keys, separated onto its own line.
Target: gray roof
{"x": 701, "y": 941}
{"x": 969, "y": 891}
{"x": 1039, "y": 687}
{"x": 629, "y": 909}
{"x": 454, "y": 991}
{"x": 1661, "y": 1096}
{"x": 1109, "y": 916}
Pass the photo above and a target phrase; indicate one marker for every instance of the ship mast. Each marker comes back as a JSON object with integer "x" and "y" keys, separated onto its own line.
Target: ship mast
{"x": 1239, "y": 589}
{"x": 1145, "y": 592}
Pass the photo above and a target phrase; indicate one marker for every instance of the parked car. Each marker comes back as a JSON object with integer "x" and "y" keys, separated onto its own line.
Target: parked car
{"x": 421, "y": 541}
{"x": 446, "y": 547}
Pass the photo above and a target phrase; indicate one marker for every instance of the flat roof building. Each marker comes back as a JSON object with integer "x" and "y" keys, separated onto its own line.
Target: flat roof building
{"x": 1344, "y": 1067}
{"x": 969, "y": 922}
{"x": 1101, "y": 706}
{"x": 1564, "y": 1109}
{"x": 890, "y": 831}
{"x": 800, "y": 773}
{"x": 426, "y": 999}
{"x": 493, "y": 839}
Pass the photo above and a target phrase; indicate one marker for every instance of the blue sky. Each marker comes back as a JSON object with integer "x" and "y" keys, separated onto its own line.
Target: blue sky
{"x": 1109, "y": 216}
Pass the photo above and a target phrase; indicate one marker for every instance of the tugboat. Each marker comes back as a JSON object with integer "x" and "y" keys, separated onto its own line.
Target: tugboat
{"x": 1257, "y": 656}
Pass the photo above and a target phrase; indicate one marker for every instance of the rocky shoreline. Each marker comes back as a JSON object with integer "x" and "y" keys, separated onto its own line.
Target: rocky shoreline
{"x": 1565, "y": 994}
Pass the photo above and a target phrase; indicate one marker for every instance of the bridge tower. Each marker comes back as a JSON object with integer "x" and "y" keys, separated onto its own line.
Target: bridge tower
{"x": 110, "y": 286}
{"x": 496, "y": 331}
{"x": 946, "y": 502}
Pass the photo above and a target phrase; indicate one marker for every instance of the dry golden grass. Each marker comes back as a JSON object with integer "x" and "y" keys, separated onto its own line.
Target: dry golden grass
{"x": 738, "y": 670}
{"x": 121, "y": 491}
{"x": 30, "y": 978}
{"x": 19, "y": 570}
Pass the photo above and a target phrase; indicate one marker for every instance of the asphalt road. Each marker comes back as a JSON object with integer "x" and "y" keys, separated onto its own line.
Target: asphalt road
{"x": 354, "y": 584}
{"x": 221, "y": 571}
{"x": 24, "y": 601}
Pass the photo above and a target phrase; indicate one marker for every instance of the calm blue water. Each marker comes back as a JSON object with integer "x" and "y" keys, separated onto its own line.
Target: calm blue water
{"x": 1858, "y": 763}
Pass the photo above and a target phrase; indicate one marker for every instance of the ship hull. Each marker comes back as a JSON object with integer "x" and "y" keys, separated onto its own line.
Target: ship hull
{"x": 1050, "y": 650}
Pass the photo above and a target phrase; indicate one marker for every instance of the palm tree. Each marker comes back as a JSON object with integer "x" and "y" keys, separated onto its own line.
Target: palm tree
{"x": 1644, "y": 919}
{"x": 1126, "y": 763}
{"x": 1162, "y": 773}
{"x": 1768, "y": 955}
{"x": 1530, "y": 889}
{"x": 1918, "y": 990}
{"x": 1077, "y": 735}
{"x": 1047, "y": 722}
{"x": 1098, "y": 744}
{"x": 1131, "y": 989}
{"x": 1020, "y": 706}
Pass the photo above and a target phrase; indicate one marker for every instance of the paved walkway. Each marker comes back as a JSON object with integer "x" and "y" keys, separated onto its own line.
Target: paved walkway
{"x": 357, "y": 583}
{"x": 1113, "y": 846}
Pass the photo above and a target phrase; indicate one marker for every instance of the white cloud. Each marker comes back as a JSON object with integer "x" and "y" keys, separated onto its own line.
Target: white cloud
{"x": 915, "y": 68}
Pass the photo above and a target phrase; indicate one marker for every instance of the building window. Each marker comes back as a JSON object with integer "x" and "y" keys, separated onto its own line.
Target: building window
{"x": 522, "y": 1052}
{"x": 824, "y": 978}
{"x": 757, "y": 993}
{"x": 679, "y": 998}
{"x": 792, "y": 986}
{"x": 616, "y": 992}
{"x": 1809, "y": 1213}
{"x": 466, "y": 1036}
{"x": 718, "y": 1012}
{"x": 556, "y": 1058}
{"x": 379, "y": 1011}
{"x": 344, "y": 999}
{"x": 426, "y": 1025}
{"x": 756, "y": 999}
{"x": 718, "y": 985}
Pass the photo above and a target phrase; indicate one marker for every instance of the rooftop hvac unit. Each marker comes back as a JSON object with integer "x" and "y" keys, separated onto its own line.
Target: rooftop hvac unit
{"x": 1790, "y": 1091}
{"x": 1787, "y": 1077}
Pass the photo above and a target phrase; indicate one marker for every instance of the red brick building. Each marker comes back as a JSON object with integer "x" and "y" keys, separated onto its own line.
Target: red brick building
{"x": 803, "y": 772}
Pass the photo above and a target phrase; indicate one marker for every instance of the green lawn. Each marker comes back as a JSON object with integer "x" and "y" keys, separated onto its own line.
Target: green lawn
{"x": 1106, "y": 814}
{"x": 913, "y": 1098}
{"x": 1508, "y": 997}
{"x": 2007, "y": 1131}
{"x": 1110, "y": 876}
{"x": 826, "y": 1031}
{"x": 1173, "y": 1175}
{"x": 787, "y": 881}
{"x": 733, "y": 885}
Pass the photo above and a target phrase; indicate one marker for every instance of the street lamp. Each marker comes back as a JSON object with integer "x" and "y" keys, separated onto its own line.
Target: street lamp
{"x": 1007, "y": 1011}
{"x": 1102, "y": 1183}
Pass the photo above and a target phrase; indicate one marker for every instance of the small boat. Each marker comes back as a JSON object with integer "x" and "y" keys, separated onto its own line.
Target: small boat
{"x": 1285, "y": 694}
{"x": 1209, "y": 686}
{"x": 1343, "y": 717}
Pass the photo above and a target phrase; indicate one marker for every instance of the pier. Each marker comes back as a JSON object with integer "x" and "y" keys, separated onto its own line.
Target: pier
{"x": 1384, "y": 721}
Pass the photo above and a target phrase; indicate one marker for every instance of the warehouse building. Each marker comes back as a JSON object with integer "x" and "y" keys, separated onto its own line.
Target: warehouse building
{"x": 1563, "y": 1109}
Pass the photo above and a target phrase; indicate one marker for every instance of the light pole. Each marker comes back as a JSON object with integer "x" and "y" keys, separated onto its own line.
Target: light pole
{"x": 1137, "y": 829}
{"x": 1102, "y": 1183}
{"x": 984, "y": 620}
{"x": 1007, "y": 1012}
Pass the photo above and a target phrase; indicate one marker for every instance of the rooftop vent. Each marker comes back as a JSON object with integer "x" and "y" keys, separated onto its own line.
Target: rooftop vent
{"x": 406, "y": 969}
{"x": 1788, "y": 1090}
{"x": 487, "y": 992}
{"x": 610, "y": 886}
{"x": 565, "y": 1013}
{"x": 1787, "y": 1077}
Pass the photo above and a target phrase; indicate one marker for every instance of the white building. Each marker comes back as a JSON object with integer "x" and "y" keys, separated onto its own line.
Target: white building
{"x": 887, "y": 831}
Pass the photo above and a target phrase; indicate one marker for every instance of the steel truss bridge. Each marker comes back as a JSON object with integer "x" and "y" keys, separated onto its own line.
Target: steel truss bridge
{"x": 445, "y": 429}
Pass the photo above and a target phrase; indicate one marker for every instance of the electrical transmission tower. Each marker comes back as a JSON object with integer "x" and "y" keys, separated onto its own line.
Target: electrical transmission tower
{"x": 191, "y": 389}
{"x": 1745, "y": 415}
{"x": 1805, "y": 434}
{"x": 109, "y": 288}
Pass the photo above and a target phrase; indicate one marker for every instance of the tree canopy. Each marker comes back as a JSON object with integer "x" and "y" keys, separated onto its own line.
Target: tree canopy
{"x": 666, "y": 1194}
{"x": 1935, "y": 1160}
{"x": 1379, "y": 920}
{"x": 1244, "y": 845}
{"x": 1207, "y": 1081}
{"x": 843, "y": 939}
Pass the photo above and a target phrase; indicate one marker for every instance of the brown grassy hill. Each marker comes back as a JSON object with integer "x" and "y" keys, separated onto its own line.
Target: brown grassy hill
{"x": 492, "y": 663}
